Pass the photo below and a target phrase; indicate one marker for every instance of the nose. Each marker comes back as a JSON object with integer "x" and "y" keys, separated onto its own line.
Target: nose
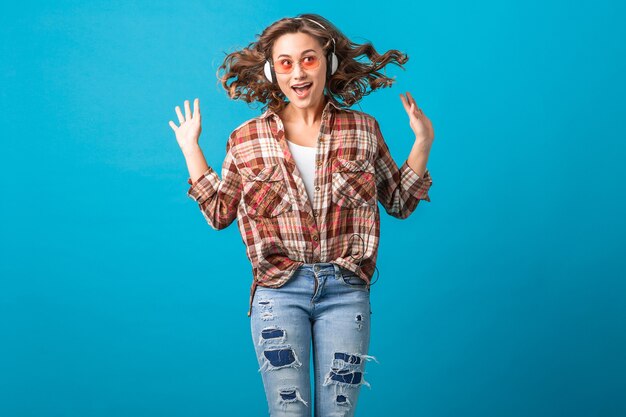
{"x": 297, "y": 71}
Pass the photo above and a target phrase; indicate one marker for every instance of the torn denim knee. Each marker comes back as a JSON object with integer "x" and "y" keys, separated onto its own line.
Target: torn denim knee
{"x": 347, "y": 370}
{"x": 290, "y": 395}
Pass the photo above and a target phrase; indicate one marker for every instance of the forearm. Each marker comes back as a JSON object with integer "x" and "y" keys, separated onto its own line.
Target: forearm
{"x": 418, "y": 157}
{"x": 196, "y": 163}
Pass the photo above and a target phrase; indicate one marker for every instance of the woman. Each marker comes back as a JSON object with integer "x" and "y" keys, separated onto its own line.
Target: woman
{"x": 303, "y": 180}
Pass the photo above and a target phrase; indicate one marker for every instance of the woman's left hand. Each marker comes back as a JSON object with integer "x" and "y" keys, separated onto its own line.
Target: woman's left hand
{"x": 421, "y": 125}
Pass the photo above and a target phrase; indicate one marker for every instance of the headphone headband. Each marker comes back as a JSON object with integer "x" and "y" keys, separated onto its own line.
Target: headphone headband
{"x": 320, "y": 25}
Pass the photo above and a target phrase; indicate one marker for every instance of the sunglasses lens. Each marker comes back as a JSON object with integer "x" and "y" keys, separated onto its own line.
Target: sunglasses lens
{"x": 285, "y": 66}
{"x": 310, "y": 62}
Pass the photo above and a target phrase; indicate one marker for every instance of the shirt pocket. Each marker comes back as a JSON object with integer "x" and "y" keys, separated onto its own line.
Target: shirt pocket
{"x": 265, "y": 193}
{"x": 353, "y": 183}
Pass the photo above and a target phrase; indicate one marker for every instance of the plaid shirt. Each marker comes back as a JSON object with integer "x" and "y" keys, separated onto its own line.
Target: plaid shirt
{"x": 262, "y": 188}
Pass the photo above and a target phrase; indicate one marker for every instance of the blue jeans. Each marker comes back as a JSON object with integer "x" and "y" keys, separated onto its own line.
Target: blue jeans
{"x": 324, "y": 305}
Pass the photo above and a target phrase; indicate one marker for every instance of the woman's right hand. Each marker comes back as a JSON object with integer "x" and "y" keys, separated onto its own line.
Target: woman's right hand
{"x": 188, "y": 132}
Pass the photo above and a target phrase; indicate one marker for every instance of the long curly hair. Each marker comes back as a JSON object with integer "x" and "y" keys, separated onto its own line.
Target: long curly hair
{"x": 345, "y": 87}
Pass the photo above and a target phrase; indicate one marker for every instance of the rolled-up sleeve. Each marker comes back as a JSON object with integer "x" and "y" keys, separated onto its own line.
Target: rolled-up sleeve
{"x": 218, "y": 199}
{"x": 399, "y": 189}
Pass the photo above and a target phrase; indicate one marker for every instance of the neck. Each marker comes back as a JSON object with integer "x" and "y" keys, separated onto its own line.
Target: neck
{"x": 308, "y": 116}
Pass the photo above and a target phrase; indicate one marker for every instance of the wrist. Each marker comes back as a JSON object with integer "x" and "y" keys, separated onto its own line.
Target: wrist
{"x": 191, "y": 150}
{"x": 421, "y": 146}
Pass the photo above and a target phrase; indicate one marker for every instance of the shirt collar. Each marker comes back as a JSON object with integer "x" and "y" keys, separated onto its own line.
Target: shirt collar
{"x": 329, "y": 105}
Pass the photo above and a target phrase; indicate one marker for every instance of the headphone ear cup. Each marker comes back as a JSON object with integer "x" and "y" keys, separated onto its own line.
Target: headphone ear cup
{"x": 334, "y": 63}
{"x": 268, "y": 71}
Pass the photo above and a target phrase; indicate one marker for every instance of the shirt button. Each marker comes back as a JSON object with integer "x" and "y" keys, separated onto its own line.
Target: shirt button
{"x": 317, "y": 188}
{"x": 315, "y": 238}
{"x": 319, "y": 163}
{"x": 315, "y": 213}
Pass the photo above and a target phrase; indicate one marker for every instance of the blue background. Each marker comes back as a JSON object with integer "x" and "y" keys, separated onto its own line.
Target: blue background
{"x": 503, "y": 296}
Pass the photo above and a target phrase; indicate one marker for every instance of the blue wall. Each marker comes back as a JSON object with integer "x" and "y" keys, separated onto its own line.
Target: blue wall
{"x": 503, "y": 296}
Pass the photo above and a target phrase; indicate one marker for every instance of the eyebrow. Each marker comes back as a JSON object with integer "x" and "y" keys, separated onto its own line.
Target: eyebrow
{"x": 304, "y": 52}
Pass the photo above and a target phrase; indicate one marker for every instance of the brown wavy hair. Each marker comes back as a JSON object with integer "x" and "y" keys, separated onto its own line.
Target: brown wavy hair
{"x": 345, "y": 87}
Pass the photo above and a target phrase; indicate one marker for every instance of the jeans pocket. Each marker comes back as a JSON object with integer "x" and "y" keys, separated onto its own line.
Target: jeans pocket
{"x": 352, "y": 280}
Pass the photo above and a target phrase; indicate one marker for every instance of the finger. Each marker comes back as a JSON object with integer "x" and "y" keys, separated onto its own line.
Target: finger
{"x": 196, "y": 108}
{"x": 404, "y": 103}
{"x": 412, "y": 111}
{"x": 419, "y": 110}
{"x": 173, "y": 126}
{"x": 411, "y": 99}
{"x": 181, "y": 119}
{"x": 187, "y": 110}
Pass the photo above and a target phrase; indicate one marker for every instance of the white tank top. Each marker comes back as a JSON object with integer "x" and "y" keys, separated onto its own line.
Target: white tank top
{"x": 305, "y": 161}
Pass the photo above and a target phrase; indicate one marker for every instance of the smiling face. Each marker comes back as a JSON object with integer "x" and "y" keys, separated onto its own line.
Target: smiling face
{"x": 299, "y": 51}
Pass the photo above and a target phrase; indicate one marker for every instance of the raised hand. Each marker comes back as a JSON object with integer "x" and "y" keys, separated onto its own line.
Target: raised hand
{"x": 421, "y": 125}
{"x": 188, "y": 132}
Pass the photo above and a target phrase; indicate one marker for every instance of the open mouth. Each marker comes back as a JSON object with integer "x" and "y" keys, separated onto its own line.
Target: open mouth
{"x": 302, "y": 91}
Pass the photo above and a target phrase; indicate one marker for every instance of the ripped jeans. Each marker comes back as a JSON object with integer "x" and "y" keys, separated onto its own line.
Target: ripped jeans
{"x": 325, "y": 306}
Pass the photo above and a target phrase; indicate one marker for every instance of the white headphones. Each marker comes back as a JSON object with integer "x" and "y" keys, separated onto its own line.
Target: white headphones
{"x": 268, "y": 68}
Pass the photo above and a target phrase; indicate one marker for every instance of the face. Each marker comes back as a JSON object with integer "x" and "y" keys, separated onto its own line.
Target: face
{"x": 299, "y": 52}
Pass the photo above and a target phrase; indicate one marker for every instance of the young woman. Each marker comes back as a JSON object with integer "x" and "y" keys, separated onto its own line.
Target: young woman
{"x": 303, "y": 181}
